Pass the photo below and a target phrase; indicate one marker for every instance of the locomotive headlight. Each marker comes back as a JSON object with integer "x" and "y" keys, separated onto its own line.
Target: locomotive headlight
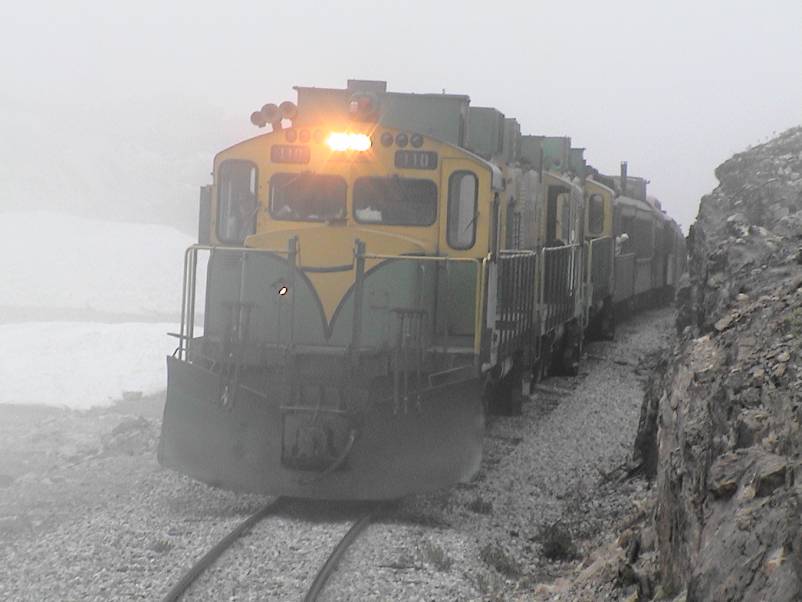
{"x": 338, "y": 141}
{"x": 360, "y": 142}
{"x": 348, "y": 141}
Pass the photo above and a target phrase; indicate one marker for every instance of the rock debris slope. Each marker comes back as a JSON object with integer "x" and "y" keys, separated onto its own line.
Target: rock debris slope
{"x": 728, "y": 438}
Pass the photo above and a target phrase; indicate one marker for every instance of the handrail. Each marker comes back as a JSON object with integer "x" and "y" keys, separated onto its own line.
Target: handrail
{"x": 562, "y": 280}
{"x": 560, "y": 248}
{"x": 522, "y": 252}
{"x": 440, "y": 258}
{"x": 481, "y": 283}
{"x": 213, "y": 248}
{"x": 189, "y": 285}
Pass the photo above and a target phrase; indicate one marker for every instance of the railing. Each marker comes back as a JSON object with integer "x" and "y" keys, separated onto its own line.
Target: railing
{"x": 600, "y": 258}
{"x": 560, "y": 285}
{"x": 240, "y": 320}
{"x": 189, "y": 288}
{"x": 517, "y": 297}
{"x": 445, "y": 263}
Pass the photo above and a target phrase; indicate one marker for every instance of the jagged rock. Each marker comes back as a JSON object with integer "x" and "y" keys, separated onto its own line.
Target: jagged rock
{"x": 725, "y": 473}
{"x": 648, "y": 538}
{"x": 751, "y": 426}
{"x": 769, "y": 474}
{"x": 723, "y": 323}
{"x": 727, "y": 515}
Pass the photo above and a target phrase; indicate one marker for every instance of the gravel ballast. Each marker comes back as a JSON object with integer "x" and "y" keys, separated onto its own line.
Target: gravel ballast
{"x": 484, "y": 539}
{"x": 95, "y": 518}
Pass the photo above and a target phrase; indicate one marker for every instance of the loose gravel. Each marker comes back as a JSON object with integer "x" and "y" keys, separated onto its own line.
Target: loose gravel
{"x": 485, "y": 539}
{"x": 95, "y": 518}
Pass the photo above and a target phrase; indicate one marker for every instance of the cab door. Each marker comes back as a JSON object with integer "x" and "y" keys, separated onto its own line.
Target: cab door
{"x": 465, "y": 232}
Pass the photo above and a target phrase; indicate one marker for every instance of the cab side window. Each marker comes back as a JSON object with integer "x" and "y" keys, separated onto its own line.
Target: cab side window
{"x": 463, "y": 197}
{"x": 595, "y": 214}
{"x": 565, "y": 218}
{"x": 644, "y": 238}
{"x": 236, "y": 201}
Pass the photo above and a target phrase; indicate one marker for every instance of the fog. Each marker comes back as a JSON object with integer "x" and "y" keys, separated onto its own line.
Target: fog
{"x": 110, "y": 115}
{"x": 115, "y": 109}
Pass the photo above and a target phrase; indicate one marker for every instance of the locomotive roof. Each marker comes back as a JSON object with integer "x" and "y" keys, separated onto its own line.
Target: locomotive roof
{"x": 634, "y": 203}
{"x": 389, "y": 93}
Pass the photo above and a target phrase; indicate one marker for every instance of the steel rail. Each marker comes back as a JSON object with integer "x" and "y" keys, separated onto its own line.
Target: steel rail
{"x": 334, "y": 558}
{"x": 221, "y": 546}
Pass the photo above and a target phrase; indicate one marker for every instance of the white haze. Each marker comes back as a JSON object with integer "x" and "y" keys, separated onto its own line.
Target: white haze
{"x": 116, "y": 108}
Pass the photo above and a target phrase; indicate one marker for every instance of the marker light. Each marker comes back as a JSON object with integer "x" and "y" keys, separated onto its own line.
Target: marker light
{"x": 270, "y": 113}
{"x": 257, "y": 119}
{"x": 283, "y": 290}
{"x": 348, "y": 141}
{"x": 288, "y": 110}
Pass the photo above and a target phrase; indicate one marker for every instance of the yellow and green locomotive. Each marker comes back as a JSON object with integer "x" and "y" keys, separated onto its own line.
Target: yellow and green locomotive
{"x": 381, "y": 269}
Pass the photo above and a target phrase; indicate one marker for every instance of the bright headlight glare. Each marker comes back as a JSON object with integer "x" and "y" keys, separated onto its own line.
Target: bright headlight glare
{"x": 348, "y": 141}
{"x": 338, "y": 141}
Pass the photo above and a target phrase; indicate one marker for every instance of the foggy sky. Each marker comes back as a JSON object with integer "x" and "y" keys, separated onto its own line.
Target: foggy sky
{"x": 674, "y": 88}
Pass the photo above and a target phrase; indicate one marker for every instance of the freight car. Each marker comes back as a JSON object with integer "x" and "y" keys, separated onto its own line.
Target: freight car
{"x": 382, "y": 269}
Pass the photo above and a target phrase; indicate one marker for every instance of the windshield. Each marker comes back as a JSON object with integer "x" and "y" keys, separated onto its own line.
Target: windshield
{"x": 395, "y": 201}
{"x": 307, "y": 197}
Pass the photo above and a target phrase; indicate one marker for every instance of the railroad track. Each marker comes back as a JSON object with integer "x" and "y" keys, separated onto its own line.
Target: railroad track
{"x": 272, "y": 508}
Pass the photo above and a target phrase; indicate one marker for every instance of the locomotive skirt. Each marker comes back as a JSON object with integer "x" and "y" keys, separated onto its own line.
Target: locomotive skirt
{"x": 255, "y": 441}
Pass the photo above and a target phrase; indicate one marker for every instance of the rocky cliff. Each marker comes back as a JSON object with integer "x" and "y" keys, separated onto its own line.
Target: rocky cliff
{"x": 728, "y": 405}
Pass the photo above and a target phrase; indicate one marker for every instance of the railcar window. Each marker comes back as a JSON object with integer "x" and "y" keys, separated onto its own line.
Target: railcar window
{"x": 463, "y": 197}
{"x": 236, "y": 201}
{"x": 595, "y": 214}
{"x": 395, "y": 201}
{"x": 668, "y": 239}
{"x": 644, "y": 238}
{"x": 307, "y": 197}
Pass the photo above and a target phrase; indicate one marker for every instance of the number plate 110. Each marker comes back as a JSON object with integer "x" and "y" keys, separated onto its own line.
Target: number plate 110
{"x": 413, "y": 159}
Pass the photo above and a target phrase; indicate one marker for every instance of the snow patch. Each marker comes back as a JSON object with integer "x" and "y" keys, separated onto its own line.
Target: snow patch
{"x": 50, "y": 260}
{"x": 80, "y": 365}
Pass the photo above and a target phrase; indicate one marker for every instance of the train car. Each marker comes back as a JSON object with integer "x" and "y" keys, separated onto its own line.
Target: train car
{"x": 649, "y": 258}
{"x": 382, "y": 269}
